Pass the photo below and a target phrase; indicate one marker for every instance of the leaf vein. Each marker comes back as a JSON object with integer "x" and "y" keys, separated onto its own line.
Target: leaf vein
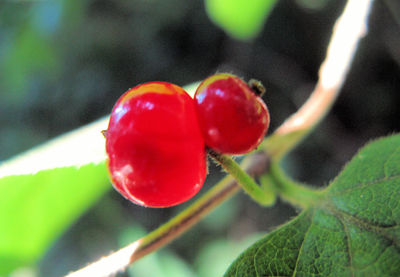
{"x": 302, "y": 244}
{"x": 348, "y": 241}
{"x": 367, "y": 225}
{"x": 254, "y": 260}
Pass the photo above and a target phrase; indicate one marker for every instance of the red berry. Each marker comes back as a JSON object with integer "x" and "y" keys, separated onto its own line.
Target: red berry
{"x": 155, "y": 148}
{"x": 232, "y": 117}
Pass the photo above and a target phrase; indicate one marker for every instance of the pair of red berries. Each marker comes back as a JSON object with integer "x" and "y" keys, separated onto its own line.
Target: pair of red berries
{"x": 157, "y": 136}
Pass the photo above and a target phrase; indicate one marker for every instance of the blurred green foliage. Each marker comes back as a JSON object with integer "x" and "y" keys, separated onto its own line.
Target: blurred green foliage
{"x": 242, "y": 19}
{"x": 35, "y": 209}
{"x": 215, "y": 257}
{"x": 64, "y": 63}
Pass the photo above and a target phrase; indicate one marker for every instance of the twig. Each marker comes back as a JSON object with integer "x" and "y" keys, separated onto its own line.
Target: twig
{"x": 164, "y": 234}
{"x": 350, "y": 27}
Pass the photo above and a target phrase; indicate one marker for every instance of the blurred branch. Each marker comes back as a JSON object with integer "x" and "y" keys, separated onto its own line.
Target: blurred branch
{"x": 172, "y": 229}
{"x": 350, "y": 27}
{"x": 348, "y": 30}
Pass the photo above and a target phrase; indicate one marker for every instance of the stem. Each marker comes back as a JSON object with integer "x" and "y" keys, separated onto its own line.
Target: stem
{"x": 163, "y": 234}
{"x": 295, "y": 193}
{"x": 167, "y": 232}
{"x": 350, "y": 27}
{"x": 244, "y": 180}
{"x": 186, "y": 219}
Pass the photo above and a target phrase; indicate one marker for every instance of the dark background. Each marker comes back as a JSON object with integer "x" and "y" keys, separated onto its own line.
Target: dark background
{"x": 64, "y": 64}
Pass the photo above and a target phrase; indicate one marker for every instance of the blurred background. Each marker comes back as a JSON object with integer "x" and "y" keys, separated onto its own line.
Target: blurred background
{"x": 63, "y": 64}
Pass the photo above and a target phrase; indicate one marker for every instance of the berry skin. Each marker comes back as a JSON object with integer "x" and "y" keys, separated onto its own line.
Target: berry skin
{"x": 232, "y": 117}
{"x": 156, "y": 153}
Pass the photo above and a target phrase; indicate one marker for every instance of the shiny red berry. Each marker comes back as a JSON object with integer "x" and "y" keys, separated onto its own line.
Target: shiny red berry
{"x": 156, "y": 153}
{"x": 232, "y": 117}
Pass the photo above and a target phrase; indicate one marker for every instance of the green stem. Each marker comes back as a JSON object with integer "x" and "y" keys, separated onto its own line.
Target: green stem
{"x": 185, "y": 219}
{"x": 242, "y": 178}
{"x": 295, "y": 193}
{"x": 164, "y": 234}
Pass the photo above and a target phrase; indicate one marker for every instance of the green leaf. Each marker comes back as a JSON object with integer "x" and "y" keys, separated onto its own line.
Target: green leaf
{"x": 35, "y": 209}
{"x": 354, "y": 230}
{"x": 242, "y": 19}
{"x": 46, "y": 189}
